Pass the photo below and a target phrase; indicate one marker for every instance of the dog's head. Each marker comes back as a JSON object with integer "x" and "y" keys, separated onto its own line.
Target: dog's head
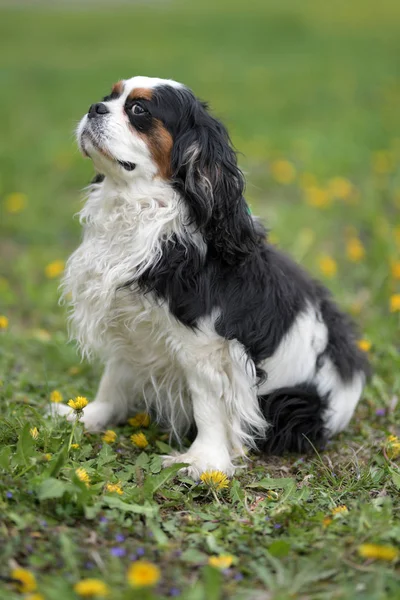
{"x": 151, "y": 128}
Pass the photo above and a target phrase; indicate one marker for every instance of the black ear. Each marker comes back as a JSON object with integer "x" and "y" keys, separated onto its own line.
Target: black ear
{"x": 205, "y": 172}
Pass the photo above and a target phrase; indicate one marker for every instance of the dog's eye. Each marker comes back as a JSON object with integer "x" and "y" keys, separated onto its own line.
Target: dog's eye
{"x": 137, "y": 109}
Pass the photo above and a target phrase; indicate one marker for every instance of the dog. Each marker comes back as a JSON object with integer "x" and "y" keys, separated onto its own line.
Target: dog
{"x": 196, "y": 317}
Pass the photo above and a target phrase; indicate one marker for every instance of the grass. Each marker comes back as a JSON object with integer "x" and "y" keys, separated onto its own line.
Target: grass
{"x": 310, "y": 94}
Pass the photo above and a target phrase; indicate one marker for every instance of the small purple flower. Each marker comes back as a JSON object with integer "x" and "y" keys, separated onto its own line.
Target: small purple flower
{"x": 238, "y": 577}
{"x": 267, "y": 518}
{"x": 119, "y": 537}
{"x": 43, "y": 523}
{"x": 118, "y": 551}
{"x": 380, "y": 412}
{"x": 133, "y": 557}
{"x": 178, "y": 553}
{"x": 9, "y": 495}
{"x": 174, "y": 592}
{"x": 140, "y": 551}
{"x": 103, "y": 520}
{"x": 277, "y": 526}
{"x": 89, "y": 565}
{"x": 119, "y": 450}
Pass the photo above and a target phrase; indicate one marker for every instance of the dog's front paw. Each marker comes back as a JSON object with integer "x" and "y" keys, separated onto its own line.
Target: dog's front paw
{"x": 200, "y": 460}
{"x": 96, "y": 416}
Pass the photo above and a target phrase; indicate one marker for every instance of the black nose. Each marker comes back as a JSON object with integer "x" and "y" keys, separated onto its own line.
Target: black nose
{"x": 97, "y": 109}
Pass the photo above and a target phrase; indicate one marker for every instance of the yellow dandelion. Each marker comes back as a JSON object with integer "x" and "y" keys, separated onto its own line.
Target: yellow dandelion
{"x": 318, "y": 197}
{"x": 217, "y": 480}
{"x": 83, "y": 476}
{"x": 109, "y": 436}
{"x": 326, "y": 521}
{"x": 382, "y": 162}
{"x": 283, "y": 171}
{"x": 78, "y": 404}
{"x": 223, "y": 561}
{"x": 375, "y": 551}
{"x": 54, "y": 269}
{"x": 395, "y": 303}
{"x": 327, "y": 266}
{"x": 355, "y": 250}
{"x": 339, "y": 510}
{"x": 74, "y": 446}
{"x": 392, "y": 447}
{"x": 143, "y": 574}
{"x": 395, "y": 269}
{"x": 15, "y": 202}
{"x": 91, "y": 588}
{"x": 3, "y": 322}
{"x": 47, "y": 456}
{"x": 34, "y": 432}
{"x": 56, "y": 397}
{"x": 114, "y": 488}
{"x": 364, "y": 345}
{"x": 340, "y": 187}
{"x": 25, "y": 579}
{"x": 140, "y": 420}
{"x": 139, "y": 440}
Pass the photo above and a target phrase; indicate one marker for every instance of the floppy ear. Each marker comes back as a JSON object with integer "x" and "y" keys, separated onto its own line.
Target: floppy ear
{"x": 205, "y": 172}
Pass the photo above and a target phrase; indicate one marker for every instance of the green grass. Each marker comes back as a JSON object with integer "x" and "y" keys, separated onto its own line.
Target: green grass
{"x": 316, "y": 86}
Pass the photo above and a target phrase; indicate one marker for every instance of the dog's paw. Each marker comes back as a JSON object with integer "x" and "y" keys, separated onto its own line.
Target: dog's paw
{"x": 96, "y": 416}
{"x": 61, "y": 410}
{"x": 200, "y": 460}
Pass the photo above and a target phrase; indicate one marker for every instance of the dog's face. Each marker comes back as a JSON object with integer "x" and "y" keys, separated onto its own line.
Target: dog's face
{"x": 150, "y": 128}
{"x": 131, "y": 132}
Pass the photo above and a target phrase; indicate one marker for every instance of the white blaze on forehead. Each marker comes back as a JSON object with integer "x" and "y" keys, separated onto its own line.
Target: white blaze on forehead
{"x": 148, "y": 83}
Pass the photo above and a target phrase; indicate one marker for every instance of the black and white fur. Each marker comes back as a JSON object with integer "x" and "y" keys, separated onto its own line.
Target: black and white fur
{"x": 196, "y": 317}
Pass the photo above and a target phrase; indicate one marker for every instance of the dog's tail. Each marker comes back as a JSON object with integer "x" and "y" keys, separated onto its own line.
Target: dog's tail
{"x": 296, "y": 418}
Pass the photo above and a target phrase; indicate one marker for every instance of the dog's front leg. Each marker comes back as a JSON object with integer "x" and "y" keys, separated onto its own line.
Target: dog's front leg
{"x": 211, "y": 449}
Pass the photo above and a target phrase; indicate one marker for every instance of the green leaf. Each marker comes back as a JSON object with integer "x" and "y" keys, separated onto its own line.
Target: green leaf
{"x": 163, "y": 447}
{"x": 25, "y": 446}
{"x": 159, "y": 536}
{"x": 236, "y": 492}
{"x": 147, "y": 510}
{"x": 194, "y": 556}
{"x": 60, "y": 462}
{"x": 52, "y": 488}
{"x": 279, "y": 548}
{"x": 106, "y": 455}
{"x": 395, "y": 478}
{"x": 5, "y": 458}
{"x": 154, "y": 482}
{"x": 142, "y": 460}
{"x": 212, "y": 583}
{"x": 284, "y": 483}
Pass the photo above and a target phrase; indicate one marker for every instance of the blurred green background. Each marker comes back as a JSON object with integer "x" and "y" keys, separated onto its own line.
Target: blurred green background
{"x": 310, "y": 93}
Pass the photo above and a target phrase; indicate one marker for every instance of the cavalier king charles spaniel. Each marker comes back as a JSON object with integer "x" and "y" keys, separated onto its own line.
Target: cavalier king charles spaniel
{"x": 196, "y": 317}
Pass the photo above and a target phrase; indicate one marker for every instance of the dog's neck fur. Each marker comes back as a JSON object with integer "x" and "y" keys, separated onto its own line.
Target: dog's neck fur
{"x": 125, "y": 230}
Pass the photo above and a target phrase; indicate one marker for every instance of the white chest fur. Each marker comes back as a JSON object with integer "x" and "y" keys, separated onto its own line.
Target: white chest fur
{"x": 123, "y": 233}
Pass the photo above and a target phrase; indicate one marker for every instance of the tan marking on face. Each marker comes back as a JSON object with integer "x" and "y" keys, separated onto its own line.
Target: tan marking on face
{"x": 159, "y": 141}
{"x": 138, "y": 93}
{"x": 118, "y": 87}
